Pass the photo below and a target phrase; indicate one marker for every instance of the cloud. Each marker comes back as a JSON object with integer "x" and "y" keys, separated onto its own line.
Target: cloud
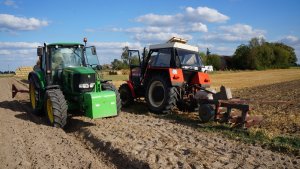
{"x": 294, "y": 42}
{"x": 20, "y": 45}
{"x": 159, "y": 28}
{"x": 13, "y": 23}
{"x": 108, "y": 51}
{"x": 205, "y": 14}
{"x": 10, "y": 3}
{"x": 159, "y": 37}
{"x": 290, "y": 39}
{"x": 234, "y": 33}
{"x": 191, "y": 15}
{"x": 159, "y": 20}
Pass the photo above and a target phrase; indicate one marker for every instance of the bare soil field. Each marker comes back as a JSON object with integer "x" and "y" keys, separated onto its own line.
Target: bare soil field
{"x": 279, "y": 103}
{"x": 139, "y": 139}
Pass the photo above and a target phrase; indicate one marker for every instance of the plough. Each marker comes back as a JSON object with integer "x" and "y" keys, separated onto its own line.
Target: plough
{"x": 211, "y": 104}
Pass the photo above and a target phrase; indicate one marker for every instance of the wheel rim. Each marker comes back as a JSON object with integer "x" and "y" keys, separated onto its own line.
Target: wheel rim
{"x": 50, "y": 111}
{"x": 32, "y": 96}
{"x": 157, "y": 93}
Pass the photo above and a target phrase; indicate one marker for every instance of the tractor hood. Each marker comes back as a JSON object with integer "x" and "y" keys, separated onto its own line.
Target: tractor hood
{"x": 79, "y": 79}
{"x": 79, "y": 70}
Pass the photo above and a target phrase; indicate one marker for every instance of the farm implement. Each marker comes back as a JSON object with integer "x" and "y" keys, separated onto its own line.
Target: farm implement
{"x": 171, "y": 75}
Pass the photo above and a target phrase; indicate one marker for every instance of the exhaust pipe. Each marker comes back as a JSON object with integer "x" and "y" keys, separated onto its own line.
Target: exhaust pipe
{"x": 15, "y": 90}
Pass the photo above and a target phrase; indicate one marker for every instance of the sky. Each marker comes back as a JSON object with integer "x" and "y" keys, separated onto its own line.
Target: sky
{"x": 220, "y": 25}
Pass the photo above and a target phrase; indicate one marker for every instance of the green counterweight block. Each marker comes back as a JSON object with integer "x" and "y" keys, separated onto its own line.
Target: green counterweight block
{"x": 100, "y": 104}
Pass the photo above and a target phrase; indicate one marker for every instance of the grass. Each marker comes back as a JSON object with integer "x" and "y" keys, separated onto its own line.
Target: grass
{"x": 6, "y": 75}
{"x": 285, "y": 144}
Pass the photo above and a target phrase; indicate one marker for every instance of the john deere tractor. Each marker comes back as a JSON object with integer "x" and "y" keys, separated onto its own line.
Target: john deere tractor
{"x": 67, "y": 81}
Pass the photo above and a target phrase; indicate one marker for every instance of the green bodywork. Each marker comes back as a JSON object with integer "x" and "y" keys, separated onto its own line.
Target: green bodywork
{"x": 100, "y": 104}
{"x": 95, "y": 103}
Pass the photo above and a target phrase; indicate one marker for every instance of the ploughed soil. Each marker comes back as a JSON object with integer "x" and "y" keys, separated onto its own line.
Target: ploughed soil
{"x": 279, "y": 104}
{"x": 134, "y": 139}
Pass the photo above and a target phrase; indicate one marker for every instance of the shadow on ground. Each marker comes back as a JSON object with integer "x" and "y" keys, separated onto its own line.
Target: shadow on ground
{"x": 184, "y": 118}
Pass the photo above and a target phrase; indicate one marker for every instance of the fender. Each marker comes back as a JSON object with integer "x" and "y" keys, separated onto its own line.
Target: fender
{"x": 36, "y": 79}
{"x": 130, "y": 85}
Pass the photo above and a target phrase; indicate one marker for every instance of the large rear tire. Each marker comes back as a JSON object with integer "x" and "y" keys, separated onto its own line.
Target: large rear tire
{"x": 111, "y": 87}
{"x": 56, "y": 108}
{"x": 161, "y": 97}
{"x": 126, "y": 95}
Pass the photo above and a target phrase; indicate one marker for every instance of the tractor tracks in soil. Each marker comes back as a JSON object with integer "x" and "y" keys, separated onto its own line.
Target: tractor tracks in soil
{"x": 131, "y": 140}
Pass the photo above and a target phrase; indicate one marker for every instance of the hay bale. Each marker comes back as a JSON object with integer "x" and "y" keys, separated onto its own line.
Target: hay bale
{"x": 23, "y": 71}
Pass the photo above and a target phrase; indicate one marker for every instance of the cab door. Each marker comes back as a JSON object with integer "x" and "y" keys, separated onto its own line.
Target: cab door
{"x": 91, "y": 58}
{"x": 135, "y": 66}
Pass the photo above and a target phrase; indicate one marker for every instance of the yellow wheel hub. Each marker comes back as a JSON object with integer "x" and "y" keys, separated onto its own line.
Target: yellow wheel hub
{"x": 32, "y": 96}
{"x": 50, "y": 111}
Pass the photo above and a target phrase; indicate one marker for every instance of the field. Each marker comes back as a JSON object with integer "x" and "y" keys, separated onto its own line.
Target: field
{"x": 140, "y": 139}
{"x": 236, "y": 79}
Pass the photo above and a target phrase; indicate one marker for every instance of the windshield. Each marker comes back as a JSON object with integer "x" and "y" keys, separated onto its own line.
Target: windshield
{"x": 66, "y": 57}
{"x": 189, "y": 58}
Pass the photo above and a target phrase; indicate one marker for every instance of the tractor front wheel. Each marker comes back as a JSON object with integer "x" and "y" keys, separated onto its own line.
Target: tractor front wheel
{"x": 109, "y": 86}
{"x": 56, "y": 108}
{"x": 161, "y": 97}
{"x": 126, "y": 96}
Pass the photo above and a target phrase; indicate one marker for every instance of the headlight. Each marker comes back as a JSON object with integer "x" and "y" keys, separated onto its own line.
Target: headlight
{"x": 84, "y": 86}
{"x": 92, "y": 85}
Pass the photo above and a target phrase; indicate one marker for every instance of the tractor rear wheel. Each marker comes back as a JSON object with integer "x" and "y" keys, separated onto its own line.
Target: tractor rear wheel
{"x": 161, "y": 97}
{"x": 111, "y": 87}
{"x": 126, "y": 96}
{"x": 56, "y": 108}
{"x": 33, "y": 95}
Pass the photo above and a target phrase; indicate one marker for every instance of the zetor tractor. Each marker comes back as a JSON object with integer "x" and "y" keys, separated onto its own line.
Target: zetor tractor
{"x": 169, "y": 75}
{"x": 67, "y": 81}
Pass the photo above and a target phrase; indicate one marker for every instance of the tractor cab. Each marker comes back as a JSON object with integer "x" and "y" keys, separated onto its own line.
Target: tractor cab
{"x": 175, "y": 55}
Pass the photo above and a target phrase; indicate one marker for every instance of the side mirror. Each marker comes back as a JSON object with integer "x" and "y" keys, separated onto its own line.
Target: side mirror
{"x": 94, "y": 50}
{"x": 40, "y": 51}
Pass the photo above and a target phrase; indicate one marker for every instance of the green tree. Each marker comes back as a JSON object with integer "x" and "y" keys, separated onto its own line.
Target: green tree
{"x": 241, "y": 58}
{"x": 125, "y": 55}
{"x": 214, "y": 60}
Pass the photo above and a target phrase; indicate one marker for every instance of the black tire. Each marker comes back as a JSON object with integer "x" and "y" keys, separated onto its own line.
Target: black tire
{"x": 126, "y": 95}
{"x": 161, "y": 97}
{"x": 111, "y": 87}
{"x": 206, "y": 113}
{"x": 34, "y": 98}
{"x": 56, "y": 108}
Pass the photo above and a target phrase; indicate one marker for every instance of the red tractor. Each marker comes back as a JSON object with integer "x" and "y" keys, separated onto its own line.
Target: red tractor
{"x": 169, "y": 75}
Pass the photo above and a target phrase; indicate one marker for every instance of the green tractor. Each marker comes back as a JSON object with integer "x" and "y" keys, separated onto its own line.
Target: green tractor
{"x": 66, "y": 81}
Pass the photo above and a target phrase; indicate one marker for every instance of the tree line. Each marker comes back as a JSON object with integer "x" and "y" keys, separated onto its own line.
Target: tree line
{"x": 256, "y": 55}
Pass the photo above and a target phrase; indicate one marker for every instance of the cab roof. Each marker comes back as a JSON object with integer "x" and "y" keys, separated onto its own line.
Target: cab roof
{"x": 65, "y": 44}
{"x": 175, "y": 45}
